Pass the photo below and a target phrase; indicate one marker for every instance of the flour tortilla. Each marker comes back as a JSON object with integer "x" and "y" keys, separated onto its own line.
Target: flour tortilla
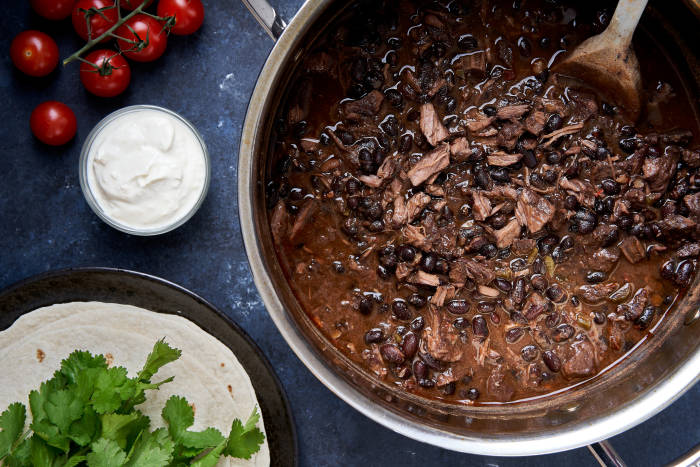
{"x": 207, "y": 374}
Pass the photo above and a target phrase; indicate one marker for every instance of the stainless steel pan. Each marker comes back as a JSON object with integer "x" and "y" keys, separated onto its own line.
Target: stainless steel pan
{"x": 650, "y": 379}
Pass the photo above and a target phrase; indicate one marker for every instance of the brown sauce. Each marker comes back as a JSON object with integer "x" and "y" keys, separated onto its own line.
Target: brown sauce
{"x": 465, "y": 224}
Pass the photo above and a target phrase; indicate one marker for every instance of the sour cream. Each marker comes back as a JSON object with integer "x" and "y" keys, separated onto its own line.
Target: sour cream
{"x": 146, "y": 169}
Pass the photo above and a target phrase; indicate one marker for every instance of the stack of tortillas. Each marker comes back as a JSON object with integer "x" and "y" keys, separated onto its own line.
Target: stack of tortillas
{"x": 207, "y": 374}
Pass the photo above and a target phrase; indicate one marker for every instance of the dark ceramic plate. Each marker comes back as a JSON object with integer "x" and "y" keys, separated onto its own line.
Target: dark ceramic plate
{"x": 152, "y": 293}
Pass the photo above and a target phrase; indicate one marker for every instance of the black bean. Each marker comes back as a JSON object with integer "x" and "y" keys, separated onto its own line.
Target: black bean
{"x": 405, "y": 143}
{"x": 584, "y": 221}
{"x": 628, "y": 144}
{"x": 575, "y": 301}
{"x": 529, "y": 159}
{"x": 550, "y": 176}
{"x": 450, "y": 104}
{"x": 684, "y": 274}
{"x": 479, "y": 326}
{"x": 489, "y": 250}
{"x": 400, "y": 310}
{"x": 538, "y": 282}
{"x": 427, "y": 262}
{"x": 473, "y": 394}
{"x": 562, "y": 332}
{"x": 467, "y": 42}
{"x": 571, "y": 203}
{"x": 394, "y": 97}
{"x": 417, "y": 324}
{"x": 503, "y": 284}
{"x": 500, "y": 174}
{"x": 553, "y": 157}
{"x": 513, "y": 335}
{"x": 538, "y": 266}
{"x": 389, "y": 261}
{"x": 596, "y": 277}
{"x": 567, "y": 242}
{"x": 426, "y": 383}
{"x": 608, "y": 109}
{"x": 598, "y": 317}
{"x": 668, "y": 270}
{"x": 524, "y": 46}
{"x": 625, "y": 222}
{"x": 376, "y": 226}
{"x": 546, "y": 244}
{"x": 366, "y": 305}
{"x": 441, "y": 267}
{"x": 519, "y": 291}
{"x": 460, "y": 323}
{"x": 406, "y": 252}
{"x": 390, "y": 126}
{"x": 449, "y": 388}
{"x": 417, "y": 300}
{"x": 420, "y": 370}
{"x": 610, "y": 186}
{"x": 374, "y": 335}
{"x": 352, "y": 186}
{"x": 392, "y": 354}
{"x": 552, "y": 320}
{"x": 552, "y": 361}
{"x": 529, "y": 353}
{"x": 545, "y": 42}
{"x": 556, "y": 294}
{"x": 409, "y": 346}
{"x": 482, "y": 178}
{"x": 537, "y": 181}
{"x": 498, "y": 221}
{"x": 518, "y": 264}
{"x": 351, "y": 226}
{"x": 554, "y": 122}
{"x": 458, "y": 307}
{"x": 517, "y": 318}
{"x": 645, "y": 319}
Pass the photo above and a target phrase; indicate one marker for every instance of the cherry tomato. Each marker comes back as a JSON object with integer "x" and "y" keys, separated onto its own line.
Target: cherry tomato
{"x": 34, "y": 53}
{"x": 131, "y": 4}
{"x": 53, "y": 123}
{"x": 150, "y": 40}
{"x": 102, "y": 15}
{"x": 53, "y": 9}
{"x": 109, "y": 76}
{"x": 189, "y": 15}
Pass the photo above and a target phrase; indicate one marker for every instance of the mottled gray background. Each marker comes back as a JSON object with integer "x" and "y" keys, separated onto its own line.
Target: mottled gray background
{"x": 208, "y": 78}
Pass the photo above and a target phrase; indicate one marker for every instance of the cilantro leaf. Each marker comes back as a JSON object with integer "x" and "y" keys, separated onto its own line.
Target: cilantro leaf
{"x": 112, "y": 388}
{"x": 118, "y": 426}
{"x": 74, "y": 460}
{"x": 41, "y": 453}
{"x": 152, "y": 450}
{"x": 161, "y": 355}
{"x": 78, "y": 361}
{"x": 21, "y": 456}
{"x": 179, "y": 416}
{"x": 106, "y": 453}
{"x": 11, "y": 425}
{"x": 63, "y": 408}
{"x": 245, "y": 440}
{"x": 84, "y": 430}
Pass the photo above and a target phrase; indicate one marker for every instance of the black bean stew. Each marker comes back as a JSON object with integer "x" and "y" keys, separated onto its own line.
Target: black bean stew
{"x": 466, "y": 224}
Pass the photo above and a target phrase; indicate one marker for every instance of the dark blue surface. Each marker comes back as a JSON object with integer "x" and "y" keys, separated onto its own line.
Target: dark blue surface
{"x": 208, "y": 78}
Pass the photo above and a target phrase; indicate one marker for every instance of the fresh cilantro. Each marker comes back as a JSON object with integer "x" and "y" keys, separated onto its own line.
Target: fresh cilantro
{"x": 12, "y": 424}
{"x": 161, "y": 355}
{"x": 85, "y": 415}
{"x": 106, "y": 453}
{"x": 244, "y": 440}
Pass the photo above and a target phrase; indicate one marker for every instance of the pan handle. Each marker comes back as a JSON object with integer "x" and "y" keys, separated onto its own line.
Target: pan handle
{"x": 268, "y": 18}
{"x": 606, "y": 455}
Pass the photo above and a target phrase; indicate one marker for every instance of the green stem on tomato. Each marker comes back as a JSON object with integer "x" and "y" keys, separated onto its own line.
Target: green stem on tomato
{"x": 92, "y": 42}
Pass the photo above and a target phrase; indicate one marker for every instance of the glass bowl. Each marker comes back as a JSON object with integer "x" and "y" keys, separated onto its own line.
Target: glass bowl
{"x": 92, "y": 200}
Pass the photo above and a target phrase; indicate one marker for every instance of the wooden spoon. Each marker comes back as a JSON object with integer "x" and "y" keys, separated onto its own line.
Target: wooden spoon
{"x": 607, "y": 61}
